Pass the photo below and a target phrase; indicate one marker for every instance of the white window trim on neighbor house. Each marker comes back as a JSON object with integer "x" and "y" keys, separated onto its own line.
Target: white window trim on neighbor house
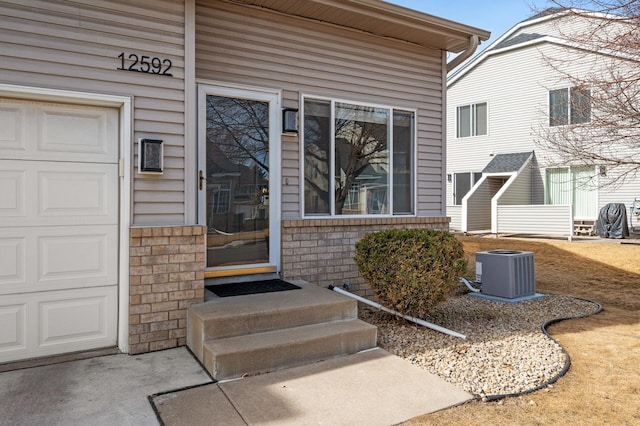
{"x": 566, "y": 112}
{"x": 583, "y": 198}
{"x": 474, "y": 177}
{"x": 472, "y": 126}
{"x": 389, "y": 210}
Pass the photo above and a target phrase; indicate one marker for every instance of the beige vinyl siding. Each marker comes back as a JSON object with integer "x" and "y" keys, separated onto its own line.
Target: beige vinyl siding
{"x": 74, "y": 45}
{"x": 249, "y": 46}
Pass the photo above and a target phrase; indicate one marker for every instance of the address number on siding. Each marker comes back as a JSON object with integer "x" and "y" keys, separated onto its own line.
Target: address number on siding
{"x": 145, "y": 64}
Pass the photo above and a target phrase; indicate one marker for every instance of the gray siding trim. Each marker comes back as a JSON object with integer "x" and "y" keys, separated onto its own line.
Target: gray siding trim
{"x": 246, "y": 46}
{"x": 75, "y": 46}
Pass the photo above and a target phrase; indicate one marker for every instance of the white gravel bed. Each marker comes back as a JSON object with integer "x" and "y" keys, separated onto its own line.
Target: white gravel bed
{"x": 505, "y": 352}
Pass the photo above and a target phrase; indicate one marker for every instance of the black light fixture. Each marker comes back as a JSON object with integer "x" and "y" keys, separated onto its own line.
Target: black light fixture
{"x": 448, "y": 177}
{"x": 289, "y": 120}
{"x": 150, "y": 156}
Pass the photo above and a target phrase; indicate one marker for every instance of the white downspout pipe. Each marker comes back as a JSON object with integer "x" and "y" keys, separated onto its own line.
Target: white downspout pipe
{"x": 407, "y": 317}
{"x": 470, "y": 50}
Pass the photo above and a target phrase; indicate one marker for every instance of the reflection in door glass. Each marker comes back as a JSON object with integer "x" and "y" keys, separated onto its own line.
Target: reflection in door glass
{"x": 237, "y": 196}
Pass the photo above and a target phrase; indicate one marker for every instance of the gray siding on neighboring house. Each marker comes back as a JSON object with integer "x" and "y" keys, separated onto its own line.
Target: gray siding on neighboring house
{"x": 75, "y": 46}
{"x": 249, "y": 46}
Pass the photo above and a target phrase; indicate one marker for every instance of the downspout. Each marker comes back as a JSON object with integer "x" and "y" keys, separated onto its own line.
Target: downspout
{"x": 471, "y": 48}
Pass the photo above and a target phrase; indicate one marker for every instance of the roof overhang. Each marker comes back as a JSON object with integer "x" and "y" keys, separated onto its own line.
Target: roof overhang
{"x": 379, "y": 18}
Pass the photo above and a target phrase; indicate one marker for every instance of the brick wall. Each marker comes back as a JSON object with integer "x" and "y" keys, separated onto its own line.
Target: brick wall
{"x": 321, "y": 251}
{"x": 166, "y": 275}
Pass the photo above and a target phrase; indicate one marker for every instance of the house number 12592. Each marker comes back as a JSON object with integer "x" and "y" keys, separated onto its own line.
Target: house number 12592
{"x": 144, "y": 63}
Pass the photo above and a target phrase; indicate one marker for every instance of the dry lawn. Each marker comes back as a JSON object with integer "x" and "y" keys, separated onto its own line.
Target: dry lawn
{"x": 602, "y": 387}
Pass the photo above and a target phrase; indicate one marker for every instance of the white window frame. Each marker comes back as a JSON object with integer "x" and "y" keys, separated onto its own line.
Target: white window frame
{"x": 413, "y": 165}
{"x": 568, "y": 110}
{"x": 473, "y": 179}
{"x": 473, "y": 120}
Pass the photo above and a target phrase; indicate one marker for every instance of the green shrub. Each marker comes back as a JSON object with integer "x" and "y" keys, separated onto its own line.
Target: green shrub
{"x": 411, "y": 270}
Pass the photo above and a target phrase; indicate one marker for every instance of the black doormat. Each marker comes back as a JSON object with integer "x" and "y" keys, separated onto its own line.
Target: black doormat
{"x": 251, "y": 287}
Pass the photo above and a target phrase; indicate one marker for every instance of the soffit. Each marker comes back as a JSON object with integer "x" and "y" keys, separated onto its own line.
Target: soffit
{"x": 379, "y": 18}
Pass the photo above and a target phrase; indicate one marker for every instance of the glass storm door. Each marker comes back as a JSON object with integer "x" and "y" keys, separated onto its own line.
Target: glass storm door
{"x": 236, "y": 179}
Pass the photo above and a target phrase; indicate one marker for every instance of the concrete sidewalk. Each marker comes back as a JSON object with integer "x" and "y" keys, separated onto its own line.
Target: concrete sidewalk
{"x": 372, "y": 388}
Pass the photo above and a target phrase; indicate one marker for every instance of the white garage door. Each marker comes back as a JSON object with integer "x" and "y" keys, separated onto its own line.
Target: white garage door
{"x": 58, "y": 228}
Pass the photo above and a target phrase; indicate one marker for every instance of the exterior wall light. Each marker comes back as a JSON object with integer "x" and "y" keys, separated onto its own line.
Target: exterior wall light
{"x": 150, "y": 156}
{"x": 289, "y": 120}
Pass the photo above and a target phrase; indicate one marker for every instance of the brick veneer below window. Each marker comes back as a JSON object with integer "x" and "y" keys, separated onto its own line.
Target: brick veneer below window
{"x": 321, "y": 251}
{"x": 166, "y": 275}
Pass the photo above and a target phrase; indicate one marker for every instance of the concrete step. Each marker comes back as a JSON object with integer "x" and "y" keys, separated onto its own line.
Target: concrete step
{"x": 223, "y": 317}
{"x": 268, "y": 351}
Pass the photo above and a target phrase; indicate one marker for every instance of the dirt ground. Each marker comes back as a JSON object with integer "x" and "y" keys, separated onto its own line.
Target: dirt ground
{"x": 602, "y": 387}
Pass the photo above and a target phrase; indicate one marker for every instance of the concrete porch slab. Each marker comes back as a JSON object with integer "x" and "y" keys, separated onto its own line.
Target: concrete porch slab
{"x": 107, "y": 390}
{"x": 372, "y": 387}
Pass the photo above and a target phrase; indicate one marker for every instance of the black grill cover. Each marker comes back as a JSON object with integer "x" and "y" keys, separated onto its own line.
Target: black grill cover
{"x": 612, "y": 221}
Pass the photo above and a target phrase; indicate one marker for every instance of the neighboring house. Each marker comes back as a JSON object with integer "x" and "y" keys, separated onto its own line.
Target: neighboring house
{"x": 146, "y": 146}
{"x": 499, "y": 179}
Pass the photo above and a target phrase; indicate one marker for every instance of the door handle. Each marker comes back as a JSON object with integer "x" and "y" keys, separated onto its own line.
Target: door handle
{"x": 202, "y": 179}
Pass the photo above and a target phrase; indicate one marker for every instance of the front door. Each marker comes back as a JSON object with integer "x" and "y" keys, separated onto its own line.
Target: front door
{"x": 238, "y": 200}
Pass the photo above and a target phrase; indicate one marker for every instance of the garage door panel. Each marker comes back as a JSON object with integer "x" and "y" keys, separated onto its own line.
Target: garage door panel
{"x": 50, "y": 193}
{"x": 50, "y": 323}
{"x": 76, "y": 130}
{"x": 13, "y": 333}
{"x": 12, "y": 188}
{"x": 83, "y": 192}
{"x": 12, "y": 132}
{"x": 13, "y": 267}
{"x": 83, "y": 256}
{"x": 58, "y": 132}
{"x": 73, "y": 320}
{"x": 60, "y": 257}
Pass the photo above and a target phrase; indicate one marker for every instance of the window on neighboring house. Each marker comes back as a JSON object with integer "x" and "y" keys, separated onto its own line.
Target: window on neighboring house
{"x": 569, "y": 106}
{"x": 472, "y": 120}
{"x": 575, "y": 186}
{"x": 358, "y": 159}
{"x": 462, "y": 183}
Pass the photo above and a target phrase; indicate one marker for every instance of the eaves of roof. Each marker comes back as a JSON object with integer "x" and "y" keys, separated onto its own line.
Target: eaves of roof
{"x": 379, "y": 18}
{"x": 502, "y": 45}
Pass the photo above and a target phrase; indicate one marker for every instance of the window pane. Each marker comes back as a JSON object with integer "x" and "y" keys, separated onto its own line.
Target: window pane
{"x": 584, "y": 192}
{"x": 580, "y": 105}
{"x": 402, "y": 162}
{"x": 317, "y": 146}
{"x": 558, "y": 107}
{"x": 464, "y": 121}
{"x": 462, "y": 185}
{"x": 480, "y": 119}
{"x": 361, "y": 160}
{"x": 558, "y": 187}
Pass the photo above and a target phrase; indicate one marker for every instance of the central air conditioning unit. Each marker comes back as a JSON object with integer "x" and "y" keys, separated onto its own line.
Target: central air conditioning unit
{"x": 506, "y": 273}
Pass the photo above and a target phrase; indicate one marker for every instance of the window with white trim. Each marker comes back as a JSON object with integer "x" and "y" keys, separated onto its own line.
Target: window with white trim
{"x": 471, "y": 120}
{"x": 462, "y": 184}
{"x": 357, "y": 159}
{"x": 569, "y": 106}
